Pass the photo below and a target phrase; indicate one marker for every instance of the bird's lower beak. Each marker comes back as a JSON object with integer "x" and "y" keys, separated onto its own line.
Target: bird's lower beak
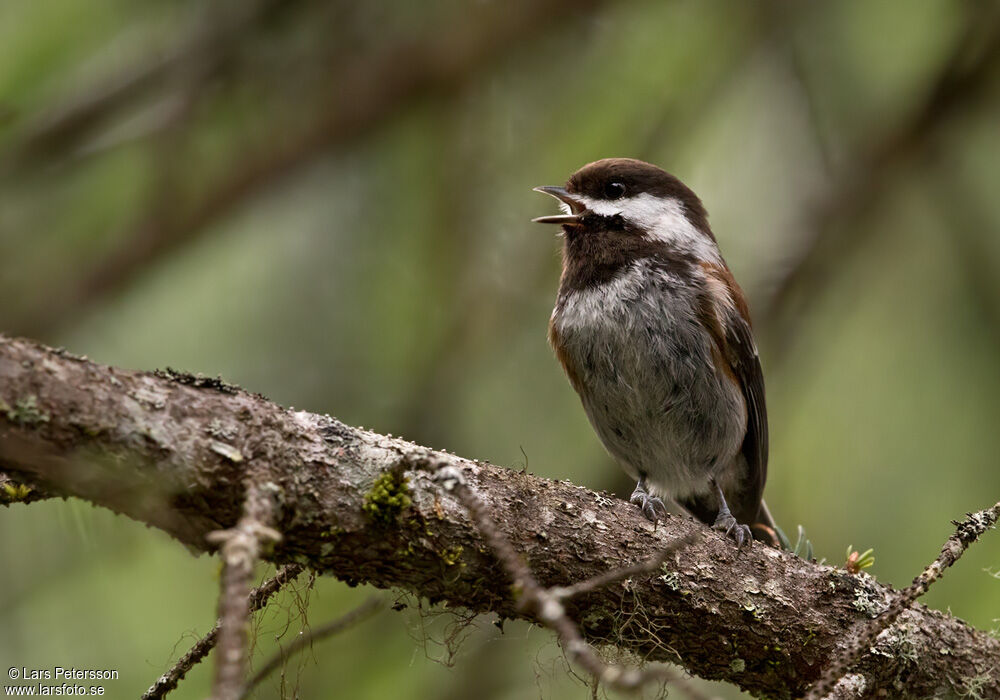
{"x": 576, "y": 207}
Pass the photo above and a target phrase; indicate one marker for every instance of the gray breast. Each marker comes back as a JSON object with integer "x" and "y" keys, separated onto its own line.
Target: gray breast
{"x": 647, "y": 379}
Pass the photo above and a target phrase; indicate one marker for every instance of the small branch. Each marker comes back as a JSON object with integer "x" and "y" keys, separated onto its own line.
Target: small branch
{"x": 262, "y": 593}
{"x": 967, "y": 532}
{"x": 258, "y": 599}
{"x": 240, "y": 550}
{"x": 367, "y": 609}
{"x": 544, "y": 603}
{"x": 173, "y": 450}
{"x": 644, "y": 567}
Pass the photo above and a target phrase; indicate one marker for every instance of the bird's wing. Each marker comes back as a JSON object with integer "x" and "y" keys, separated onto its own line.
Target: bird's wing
{"x": 726, "y": 313}
{"x": 746, "y": 367}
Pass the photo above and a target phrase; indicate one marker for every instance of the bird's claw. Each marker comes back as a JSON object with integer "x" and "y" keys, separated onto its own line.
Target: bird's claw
{"x": 727, "y": 524}
{"x": 651, "y": 506}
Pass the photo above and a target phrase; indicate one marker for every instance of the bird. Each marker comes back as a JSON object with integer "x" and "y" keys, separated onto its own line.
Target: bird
{"x": 654, "y": 334}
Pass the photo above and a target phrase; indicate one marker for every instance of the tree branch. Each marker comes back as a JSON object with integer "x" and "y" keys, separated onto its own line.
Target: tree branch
{"x": 240, "y": 550}
{"x": 966, "y": 532}
{"x": 545, "y": 605}
{"x": 173, "y": 450}
{"x": 257, "y": 599}
{"x": 367, "y": 609}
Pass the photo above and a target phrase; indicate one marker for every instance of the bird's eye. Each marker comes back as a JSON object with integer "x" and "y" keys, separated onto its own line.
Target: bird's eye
{"x": 614, "y": 190}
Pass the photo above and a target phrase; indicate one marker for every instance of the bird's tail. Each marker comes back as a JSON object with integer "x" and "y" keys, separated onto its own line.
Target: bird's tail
{"x": 766, "y": 530}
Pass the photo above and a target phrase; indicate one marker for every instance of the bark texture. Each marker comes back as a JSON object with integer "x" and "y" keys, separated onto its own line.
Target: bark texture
{"x": 176, "y": 451}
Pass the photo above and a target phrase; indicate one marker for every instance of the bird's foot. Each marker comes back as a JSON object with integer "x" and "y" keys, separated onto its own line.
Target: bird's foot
{"x": 651, "y": 506}
{"x": 725, "y": 522}
{"x": 738, "y": 531}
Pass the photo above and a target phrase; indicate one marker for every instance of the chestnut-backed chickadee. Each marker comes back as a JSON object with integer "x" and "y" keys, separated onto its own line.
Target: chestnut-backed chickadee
{"x": 654, "y": 335}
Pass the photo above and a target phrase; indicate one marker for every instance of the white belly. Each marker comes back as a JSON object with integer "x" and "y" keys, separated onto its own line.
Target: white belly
{"x": 648, "y": 382}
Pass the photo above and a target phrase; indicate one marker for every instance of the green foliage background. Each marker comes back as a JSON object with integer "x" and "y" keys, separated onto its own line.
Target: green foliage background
{"x": 392, "y": 278}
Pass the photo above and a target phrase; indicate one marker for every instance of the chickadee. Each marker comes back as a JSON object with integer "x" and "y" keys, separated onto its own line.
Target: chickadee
{"x": 654, "y": 335}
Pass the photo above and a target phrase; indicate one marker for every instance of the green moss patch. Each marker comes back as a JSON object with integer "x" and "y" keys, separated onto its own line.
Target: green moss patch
{"x": 14, "y": 493}
{"x": 25, "y": 411}
{"x": 387, "y": 498}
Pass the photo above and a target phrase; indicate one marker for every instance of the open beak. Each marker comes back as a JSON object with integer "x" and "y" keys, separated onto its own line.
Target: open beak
{"x": 576, "y": 207}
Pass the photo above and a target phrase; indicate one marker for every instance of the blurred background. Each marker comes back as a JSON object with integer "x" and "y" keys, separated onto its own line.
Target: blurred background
{"x": 329, "y": 203}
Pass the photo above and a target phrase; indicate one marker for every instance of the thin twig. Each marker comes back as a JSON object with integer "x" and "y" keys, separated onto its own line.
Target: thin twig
{"x": 966, "y": 532}
{"x": 361, "y": 613}
{"x": 545, "y": 604}
{"x": 258, "y": 599}
{"x": 644, "y": 567}
{"x": 240, "y": 550}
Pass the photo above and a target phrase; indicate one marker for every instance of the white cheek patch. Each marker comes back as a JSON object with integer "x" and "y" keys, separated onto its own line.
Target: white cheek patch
{"x": 661, "y": 219}
{"x": 601, "y": 206}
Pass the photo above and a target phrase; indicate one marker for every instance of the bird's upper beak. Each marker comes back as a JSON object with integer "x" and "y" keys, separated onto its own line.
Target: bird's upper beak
{"x": 576, "y": 207}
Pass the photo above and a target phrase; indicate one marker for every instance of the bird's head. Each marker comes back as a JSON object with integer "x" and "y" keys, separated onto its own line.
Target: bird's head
{"x": 621, "y": 198}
